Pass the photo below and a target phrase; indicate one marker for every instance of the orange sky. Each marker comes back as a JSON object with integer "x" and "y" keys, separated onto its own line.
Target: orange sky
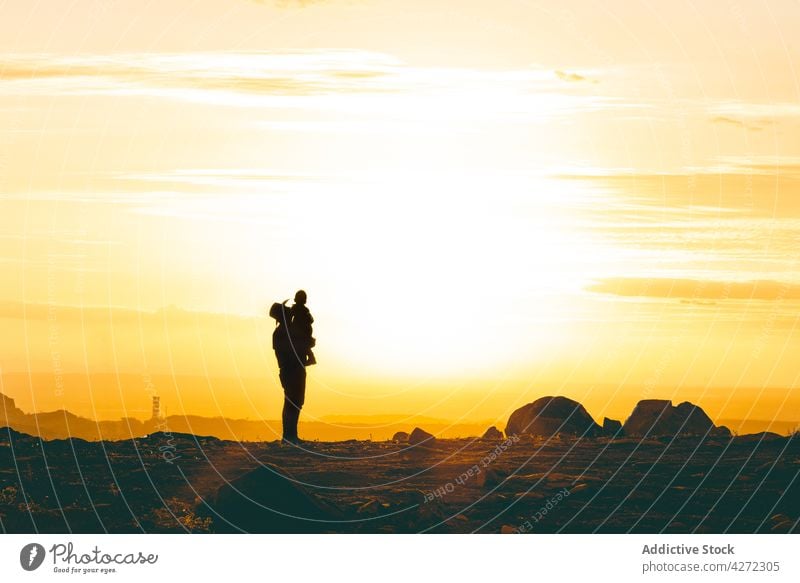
{"x": 486, "y": 203}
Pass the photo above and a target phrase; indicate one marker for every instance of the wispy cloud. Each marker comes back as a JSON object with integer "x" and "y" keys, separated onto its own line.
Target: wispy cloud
{"x": 30, "y": 311}
{"x": 289, "y": 3}
{"x": 695, "y": 289}
{"x": 294, "y": 72}
{"x": 752, "y": 190}
{"x": 754, "y": 110}
{"x": 572, "y": 77}
{"x": 320, "y": 79}
{"x": 755, "y": 126}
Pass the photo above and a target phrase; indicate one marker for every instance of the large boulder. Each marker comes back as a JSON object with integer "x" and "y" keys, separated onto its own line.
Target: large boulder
{"x": 420, "y": 436}
{"x": 550, "y": 416}
{"x": 658, "y": 417}
{"x": 493, "y": 433}
{"x": 269, "y": 500}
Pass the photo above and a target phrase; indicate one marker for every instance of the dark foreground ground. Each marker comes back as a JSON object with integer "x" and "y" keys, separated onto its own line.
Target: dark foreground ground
{"x": 169, "y": 483}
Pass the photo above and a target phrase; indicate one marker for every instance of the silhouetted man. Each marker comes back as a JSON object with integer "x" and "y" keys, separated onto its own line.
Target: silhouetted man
{"x": 292, "y": 341}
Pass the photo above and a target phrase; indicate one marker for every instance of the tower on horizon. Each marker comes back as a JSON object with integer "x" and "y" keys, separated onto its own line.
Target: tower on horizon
{"x": 156, "y": 408}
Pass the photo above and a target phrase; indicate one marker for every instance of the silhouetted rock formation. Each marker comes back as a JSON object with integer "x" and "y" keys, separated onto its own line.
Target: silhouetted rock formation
{"x": 419, "y": 436}
{"x": 612, "y": 427}
{"x": 550, "y": 416}
{"x": 269, "y": 500}
{"x": 763, "y": 436}
{"x": 62, "y": 424}
{"x": 493, "y": 433}
{"x": 8, "y": 411}
{"x": 657, "y": 417}
{"x": 722, "y": 432}
{"x": 400, "y": 437}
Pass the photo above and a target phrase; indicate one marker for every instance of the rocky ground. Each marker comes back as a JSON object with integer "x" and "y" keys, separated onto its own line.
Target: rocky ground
{"x": 171, "y": 483}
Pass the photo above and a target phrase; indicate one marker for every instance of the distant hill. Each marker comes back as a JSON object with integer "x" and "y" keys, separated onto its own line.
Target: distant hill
{"x": 62, "y": 424}
{"x": 743, "y": 427}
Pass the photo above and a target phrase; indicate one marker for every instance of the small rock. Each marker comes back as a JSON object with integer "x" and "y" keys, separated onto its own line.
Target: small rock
{"x": 783, "y": 526}
{"x": 400, "y": 437}
{"x": 489, "y": 478}
{"x": 369, "y": 507}
{"x": 493, "y": 433}
{"x": 578, "y": 488}
{"x": 611, "y": 427}
{"x": 434, "y": 510}
{"x": 508, "y": 529}
{"x": 721, "y": 431}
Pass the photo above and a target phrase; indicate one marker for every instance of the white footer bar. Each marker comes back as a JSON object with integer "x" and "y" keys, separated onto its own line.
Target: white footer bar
{"x": 399, "y": 558}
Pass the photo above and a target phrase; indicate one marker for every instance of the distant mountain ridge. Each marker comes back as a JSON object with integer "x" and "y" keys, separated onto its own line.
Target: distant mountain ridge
{"x": 62, "y": 424}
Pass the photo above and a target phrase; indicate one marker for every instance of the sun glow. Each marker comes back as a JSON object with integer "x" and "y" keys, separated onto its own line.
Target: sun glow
{"x": 431, "y": 273}
{"x": 554, "y": 201}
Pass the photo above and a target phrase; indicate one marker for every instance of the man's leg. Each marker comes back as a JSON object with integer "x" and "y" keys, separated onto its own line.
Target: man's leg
{"x": 294, "y": 397}
{"x": 287, "y": 415}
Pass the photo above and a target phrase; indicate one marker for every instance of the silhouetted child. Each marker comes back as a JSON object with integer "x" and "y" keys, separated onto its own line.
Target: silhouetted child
{"x": 301, "y": 326}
